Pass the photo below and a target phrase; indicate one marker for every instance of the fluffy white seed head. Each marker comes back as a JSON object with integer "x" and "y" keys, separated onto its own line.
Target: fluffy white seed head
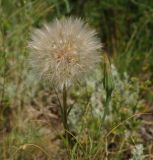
{"x": 64, "y": 51}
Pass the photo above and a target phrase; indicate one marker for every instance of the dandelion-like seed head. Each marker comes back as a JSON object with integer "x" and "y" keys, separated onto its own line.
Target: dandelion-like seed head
{"x": 64, "y": 51}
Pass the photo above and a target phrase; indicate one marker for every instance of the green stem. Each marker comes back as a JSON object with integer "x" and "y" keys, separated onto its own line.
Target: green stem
{"x": 65, "y": 115}
{"x": 106, "y": 106}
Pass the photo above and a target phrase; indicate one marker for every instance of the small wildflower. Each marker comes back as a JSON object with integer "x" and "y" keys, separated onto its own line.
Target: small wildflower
{"x": 64, "y": 51}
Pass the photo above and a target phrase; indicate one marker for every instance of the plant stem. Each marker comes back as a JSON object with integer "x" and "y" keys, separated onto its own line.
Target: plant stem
{"x": 65, "y": 115}
{"x": 106, "y": 106}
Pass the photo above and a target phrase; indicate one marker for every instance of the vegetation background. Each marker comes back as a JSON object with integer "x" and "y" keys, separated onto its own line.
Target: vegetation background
{"x": 30, "y": 127}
